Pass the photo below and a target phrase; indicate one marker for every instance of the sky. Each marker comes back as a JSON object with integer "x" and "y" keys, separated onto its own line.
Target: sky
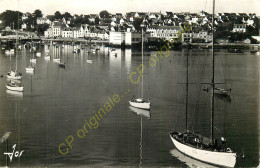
{"x": 122, "y": 6}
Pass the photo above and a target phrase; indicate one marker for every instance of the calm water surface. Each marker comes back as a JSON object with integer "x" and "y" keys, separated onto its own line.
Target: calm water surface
{"x": 56, "y": 102}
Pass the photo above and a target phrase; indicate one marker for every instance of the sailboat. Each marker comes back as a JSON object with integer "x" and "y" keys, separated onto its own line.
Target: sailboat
{"x": 89, "y": 60}
{"x": 14, "y": 74}
{"x": 33, "y": 60}
{"x": 30, "y": 68}
{"x": 38, "y": 54}
{"x": 47, "y": 57}
{"x": 140, "y": 102}
{"x": 197, "y": 146}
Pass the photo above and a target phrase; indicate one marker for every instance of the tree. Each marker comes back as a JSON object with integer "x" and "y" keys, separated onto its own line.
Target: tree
{"x": 37, "y": 13}
{"x": 104, "y": 14}
{"x": 41, "y": 28}
{"x": 137, "y": 23}
{"x": 66, "y": 15}
{"x": 11, "y": 18}
{"x": 96, "y": 21}
{"x": 57, "y": 15}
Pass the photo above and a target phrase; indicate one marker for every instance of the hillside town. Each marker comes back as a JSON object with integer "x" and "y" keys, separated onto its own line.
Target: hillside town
{"x": 125, "y": 29}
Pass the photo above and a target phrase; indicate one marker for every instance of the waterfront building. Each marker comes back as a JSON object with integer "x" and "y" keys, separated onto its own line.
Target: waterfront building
{"x": 67, "y": 33}
{"x": 116, "y": 38}
{"x": 163, "y": 32}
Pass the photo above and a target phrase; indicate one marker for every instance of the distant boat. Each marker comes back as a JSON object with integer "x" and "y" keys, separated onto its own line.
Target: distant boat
{"x": 222, "y": 91}
{"x": 14, "y": 74}
{"x": 14, "y": 86}
{"x": 235, "y": 50}
{"x": 56, "y": 60}
{"x": 218, "y": 91}
{"x": 76, "y": 50}
{"x": 254, "y": 49}
{"x": 89, "y": 61}
{"x": 33, "y": 60}
{"x": 29, "y": 69}
{"x": 140, "y": 102}
{"x": 47, "y": 57}
{"x": 7, "y": 52}
{"x": 12, "y": 51}
{"x": 38, "y": 54}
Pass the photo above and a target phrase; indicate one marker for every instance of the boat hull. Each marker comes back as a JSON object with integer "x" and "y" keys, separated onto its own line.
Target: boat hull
{"x": 143, "y": 105}
{"x": 14, "y": 77}
{"x": 56, "y": 60}
{"x": 47, "y": 58}
{"x": 19, "y": 89}
{"x": 216, "y": 158}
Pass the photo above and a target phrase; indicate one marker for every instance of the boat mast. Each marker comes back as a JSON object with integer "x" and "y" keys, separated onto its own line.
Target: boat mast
{"x": 16, "y": 46}
{"x": 142, "y": 64}
{"x": 187, "y": 90}
{"x": 213, "y": 77}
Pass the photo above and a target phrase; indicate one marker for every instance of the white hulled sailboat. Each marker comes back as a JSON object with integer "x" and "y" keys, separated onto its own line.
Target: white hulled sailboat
{"x": 199, "y": 147}
{"x": 14, "y": 74}
{"x": 140, "y": 102}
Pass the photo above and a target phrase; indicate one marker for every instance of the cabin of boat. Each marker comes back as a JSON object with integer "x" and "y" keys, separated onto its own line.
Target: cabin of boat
{"x": 14, "y": 75}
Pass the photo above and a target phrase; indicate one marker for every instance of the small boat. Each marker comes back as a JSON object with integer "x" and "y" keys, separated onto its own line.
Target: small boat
{"x": 29, "y": 69}
{"x": 76, "y": 50}
{"x": 12, "y": 51}
{"x": 14, "y": 86}
{"x": 38, "y": 54}
{"x": 254, "y": 49}
{"x": 89, "y": 61}
{"x": 56, "y": 60}
{"x": 33, "y": 60}
{"x": 7, "y": 52}
{"x": 14, "y": 75}
{"x": 222, "y": 91}
{"x": 140, "y": 103}
{"x": 47, "y": 57}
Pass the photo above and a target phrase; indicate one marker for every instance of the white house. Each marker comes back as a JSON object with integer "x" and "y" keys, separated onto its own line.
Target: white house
{"x": 67, "y": 33}
{"x": 164, "y": 32}
{"x": 116, "y": 38}
{"x": 135, "y": 38}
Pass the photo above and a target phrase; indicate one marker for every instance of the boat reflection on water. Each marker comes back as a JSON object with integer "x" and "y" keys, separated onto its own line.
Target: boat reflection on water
{"x": 188, "y": 160}
{"x": 14, "y": 95}
{"x": 225, "y": 98}
{"x": 141, "y": 112}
